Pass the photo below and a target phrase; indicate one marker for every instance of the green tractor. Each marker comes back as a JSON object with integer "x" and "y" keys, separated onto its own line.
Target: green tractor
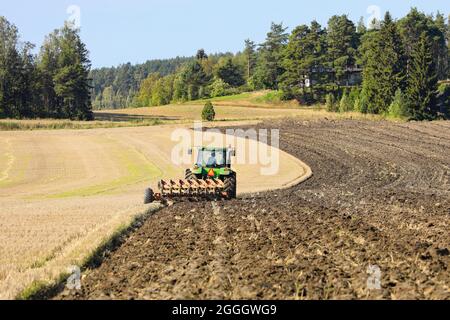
{"x": 210, "y": 178}
{"x": 215, "y": 163}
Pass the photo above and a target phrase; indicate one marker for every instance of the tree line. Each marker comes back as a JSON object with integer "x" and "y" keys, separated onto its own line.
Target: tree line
{"x": 117, "y": 87}
{"x": 52, "y": 84}
{"x": 394, "y": 67}
{"x": 389, "y": 67}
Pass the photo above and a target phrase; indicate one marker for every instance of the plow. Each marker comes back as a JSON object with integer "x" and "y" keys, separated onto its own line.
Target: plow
{"x": 211, "y": 178}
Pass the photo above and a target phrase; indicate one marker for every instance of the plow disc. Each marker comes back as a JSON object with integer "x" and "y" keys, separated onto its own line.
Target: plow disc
{"x": 193, "y": 188}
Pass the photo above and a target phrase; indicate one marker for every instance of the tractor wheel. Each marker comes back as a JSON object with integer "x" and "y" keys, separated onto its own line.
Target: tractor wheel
{"x": 231, "y": 186}
{"x": 149, "y": 196}
{"x": 189, "y": 175}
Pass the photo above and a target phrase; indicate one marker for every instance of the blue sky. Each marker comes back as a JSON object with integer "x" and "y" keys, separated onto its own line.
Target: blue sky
{"x": 119, "y": 31}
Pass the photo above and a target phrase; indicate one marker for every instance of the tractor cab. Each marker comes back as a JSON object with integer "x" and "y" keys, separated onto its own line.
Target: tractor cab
{"x": 212, "y": 163}
{"x": 213, "y": 158}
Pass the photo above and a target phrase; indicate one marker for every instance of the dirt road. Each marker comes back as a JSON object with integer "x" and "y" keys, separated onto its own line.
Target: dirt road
{"x": 63, "y": 192}
{"x": 380, "y": 197}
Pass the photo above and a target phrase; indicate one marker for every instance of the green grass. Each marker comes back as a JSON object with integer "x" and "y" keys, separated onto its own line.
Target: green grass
{"x": 271, "y": 97}
{"x": 28, "y": 125}
{"x": 236, "y": 97}
{"x": 32, "y": 290}
{"x": 137, "y": 167}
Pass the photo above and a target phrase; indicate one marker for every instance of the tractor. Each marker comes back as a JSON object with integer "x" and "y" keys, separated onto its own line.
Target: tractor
{"x": 211, "y": 178}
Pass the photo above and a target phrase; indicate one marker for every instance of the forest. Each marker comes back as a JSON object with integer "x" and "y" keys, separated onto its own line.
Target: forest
{"x": 390, "y": 67}
{"x": 53, "y": 84}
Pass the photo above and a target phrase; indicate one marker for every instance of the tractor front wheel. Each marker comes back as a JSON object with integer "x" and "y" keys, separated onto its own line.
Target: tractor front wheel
{"x": 231, "y": 186}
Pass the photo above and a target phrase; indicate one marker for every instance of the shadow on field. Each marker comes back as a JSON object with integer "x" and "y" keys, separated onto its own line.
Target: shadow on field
{"x": 123, "y": 117}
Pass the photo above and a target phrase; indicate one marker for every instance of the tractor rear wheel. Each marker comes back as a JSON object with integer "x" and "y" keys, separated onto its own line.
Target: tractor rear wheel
{"x": 190, "y": 175}
{"x": 149, "y": 196}
{"x": 231, "y": 186}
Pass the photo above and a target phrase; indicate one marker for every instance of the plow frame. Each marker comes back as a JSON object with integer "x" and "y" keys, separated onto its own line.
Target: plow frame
{"x": 187, "y": 189}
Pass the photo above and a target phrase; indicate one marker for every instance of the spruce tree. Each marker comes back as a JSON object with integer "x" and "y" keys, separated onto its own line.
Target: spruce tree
{"x": 422, "y": 81}
{"x": 384, "y": 66}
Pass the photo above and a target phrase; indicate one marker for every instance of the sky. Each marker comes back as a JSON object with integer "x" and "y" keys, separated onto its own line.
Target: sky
{"x": 121, "y": 31}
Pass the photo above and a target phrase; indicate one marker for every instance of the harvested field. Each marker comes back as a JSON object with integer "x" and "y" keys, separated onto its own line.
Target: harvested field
{"x": 380, "y": 195}
{"x": 64, "y": 192}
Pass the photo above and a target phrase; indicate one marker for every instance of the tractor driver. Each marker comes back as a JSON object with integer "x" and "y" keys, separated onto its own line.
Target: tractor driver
{"x": 212, "y": 161}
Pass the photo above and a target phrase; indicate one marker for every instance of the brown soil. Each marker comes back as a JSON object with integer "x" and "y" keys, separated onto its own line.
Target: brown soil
{"x": 380, "y": 195}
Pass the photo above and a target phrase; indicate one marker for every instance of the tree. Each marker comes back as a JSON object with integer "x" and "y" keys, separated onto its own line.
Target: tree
{"x": 411, "y": 28}
{"x": 399, "y": 106}
{"x": 208, "y": 113}
{"x": 219, "y": 88}
{"x": 230, "y": 73}
{"x": 163, "y": 91}
{"x": 195, "y": 79}
{"x": 250, "y": 55}
{"x": 384, "y": 62}
{"x": 330, "y": 102}
{"x": 342, "y": 47}
{"x": 146, "y": 91}
{"x": 361, "y": 27}
{"x": 304, "y": 61}
{"x": 190, "y": 82}
{"x": 422, "y": 81}
{"x": 439, "y": 40}
{"x": 64, "y": 67}
{"x": 269, "y": 68}
{"x": 346, "y": 103}
{"x": 201, "y": 55}
{"x": 17, "y": 74}
{"x": 447, "y": 37}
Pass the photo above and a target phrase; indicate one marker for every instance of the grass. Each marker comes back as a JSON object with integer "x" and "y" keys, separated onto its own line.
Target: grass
{"x": 54, "y": 124}
{"x": 236, "y": 97}
{"x": 271, "y": 97}
{"x": 96, "y": 178}
{"x": 258, "y": 105}
{"x": 136, "y": 171}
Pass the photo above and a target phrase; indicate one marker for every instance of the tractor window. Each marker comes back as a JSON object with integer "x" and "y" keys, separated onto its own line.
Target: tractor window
{"x": 212, "y": 159}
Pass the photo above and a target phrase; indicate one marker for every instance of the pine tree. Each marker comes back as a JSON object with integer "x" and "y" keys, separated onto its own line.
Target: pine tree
{"x": 422, "y": 81}
{"x": 297, "y": 62}
{"x": 269, "y": 68}
{"x": 342, "y": 47}
{"x": 304, "y": 62}
{"x": 250, "y": 55}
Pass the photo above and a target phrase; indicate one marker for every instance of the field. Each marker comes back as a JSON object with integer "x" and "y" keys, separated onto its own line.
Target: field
{"x": 65, "y": 192}
{"x": 246, "y": 106}
{"x": 380, "y": 196}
